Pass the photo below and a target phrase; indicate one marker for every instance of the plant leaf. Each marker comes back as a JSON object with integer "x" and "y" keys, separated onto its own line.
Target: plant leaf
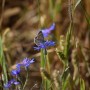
{"x": 82, "y": 84}
{"x": 77, "y": 3}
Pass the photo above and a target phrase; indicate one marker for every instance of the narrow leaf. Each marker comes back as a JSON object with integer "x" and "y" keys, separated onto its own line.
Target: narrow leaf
{"x": 77, "y": 3}
{"x": 82, "y": 84}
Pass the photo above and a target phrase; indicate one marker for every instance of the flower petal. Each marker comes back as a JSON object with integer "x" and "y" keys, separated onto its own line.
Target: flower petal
{"x": 47, "y": 31}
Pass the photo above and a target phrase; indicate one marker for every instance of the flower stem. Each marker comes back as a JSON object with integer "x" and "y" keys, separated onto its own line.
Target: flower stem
{"x": 26, "y": 79}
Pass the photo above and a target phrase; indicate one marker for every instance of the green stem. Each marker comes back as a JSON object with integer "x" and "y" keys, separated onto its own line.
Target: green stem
{"x": 26, "y": 79}
{"x": 18, "y": 78}
{"x": 45, "y": 65}
{"x": 86, "y": 14}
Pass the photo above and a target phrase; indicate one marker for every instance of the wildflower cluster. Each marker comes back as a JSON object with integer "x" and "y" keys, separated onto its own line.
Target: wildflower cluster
{"x": 25, "y": 63}
{"x": 44, "y": 45}
{"x": 11, "y": 82}
{"x": 41, "y": 44}
{"x": 39, "y": 39}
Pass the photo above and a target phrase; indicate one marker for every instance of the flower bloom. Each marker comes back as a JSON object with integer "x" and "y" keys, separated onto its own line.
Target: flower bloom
{"x": 16, "y": 71}
{"x": 26, "y": 62}
{"x": 10, "y": 83}
{"x": 44, "y": 45}
{"x": 47, "y": 31}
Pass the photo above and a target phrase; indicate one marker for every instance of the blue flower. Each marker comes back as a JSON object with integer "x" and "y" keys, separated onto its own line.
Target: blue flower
{"x": 16, "y": 71}
{"x": 26, "y": 62}
{"x": 47, "y": 31}
{"x": 44, "y": 45}
{"x": 10, "y": 83}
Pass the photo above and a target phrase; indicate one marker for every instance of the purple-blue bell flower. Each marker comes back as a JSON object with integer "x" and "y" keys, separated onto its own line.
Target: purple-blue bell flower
{"x": 10, "y": 83}
{"x": 16, "y": 71}
{"x": 44, "y": 45}
{"x": 7, "y": 85}
{"x": 26, "y": 62}
{"x": 47, "y": 31}
{"x": 18, "y": 65}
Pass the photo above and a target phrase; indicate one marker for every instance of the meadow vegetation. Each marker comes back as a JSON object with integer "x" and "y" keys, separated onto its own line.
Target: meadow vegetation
{"x": 44, "y": 45}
